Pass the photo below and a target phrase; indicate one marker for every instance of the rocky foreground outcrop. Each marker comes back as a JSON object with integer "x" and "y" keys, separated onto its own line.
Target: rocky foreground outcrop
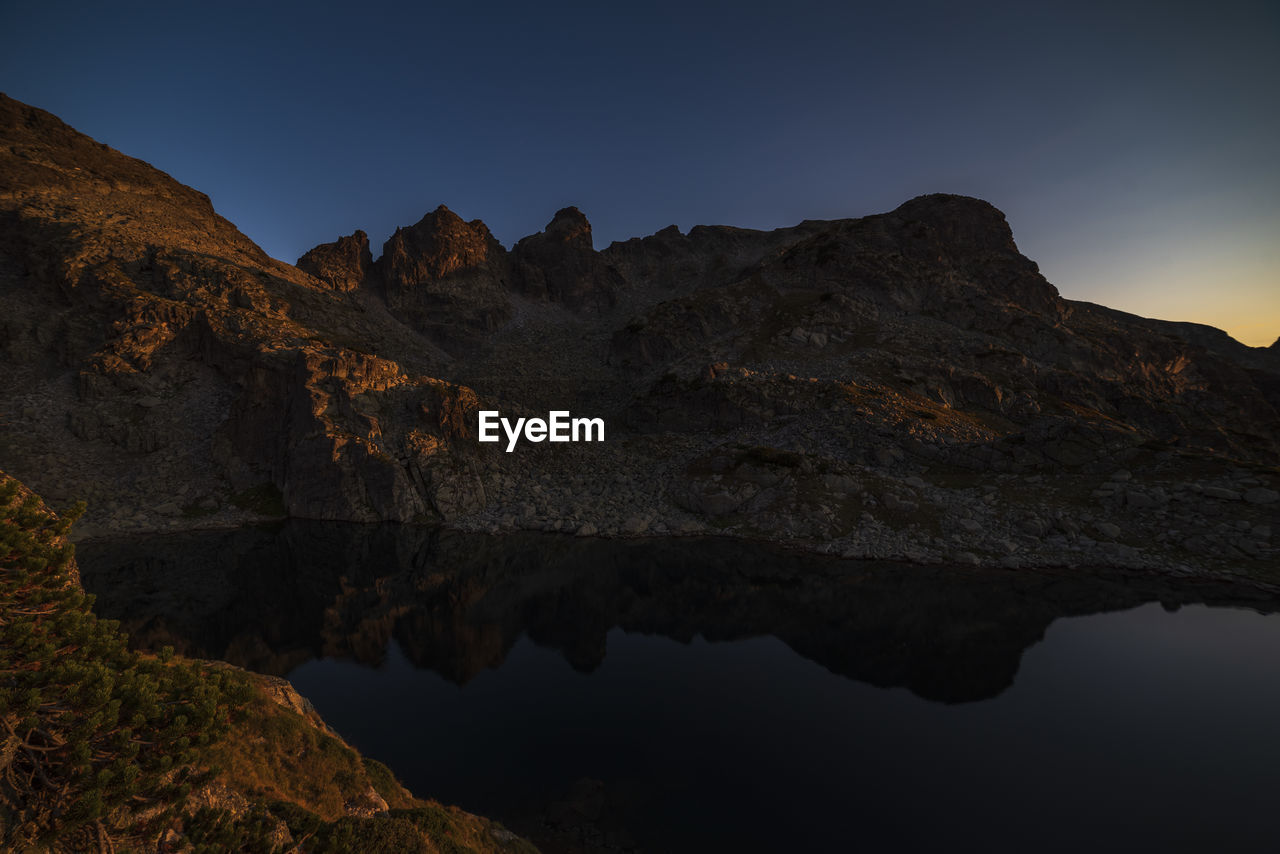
{"x": 899, "y": 385}
{"x": 108, "y": 749}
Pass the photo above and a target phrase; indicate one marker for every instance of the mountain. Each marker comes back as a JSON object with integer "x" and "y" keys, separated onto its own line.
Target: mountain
{"x": 901, "y": 385}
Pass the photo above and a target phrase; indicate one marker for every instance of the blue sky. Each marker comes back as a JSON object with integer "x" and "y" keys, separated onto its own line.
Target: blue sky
{"x": 1133, "y": 146}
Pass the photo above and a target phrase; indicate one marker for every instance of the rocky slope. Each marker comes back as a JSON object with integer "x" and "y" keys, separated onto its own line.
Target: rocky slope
{"x": 900, "y": 385}
{"x": 106, "y": 749}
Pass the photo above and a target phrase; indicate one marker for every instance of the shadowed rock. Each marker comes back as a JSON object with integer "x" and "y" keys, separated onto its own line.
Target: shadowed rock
{"x": 188, "y": 364}
{"x": 446, "y": 278}
{"x": 344, "y": 265}
{"x": 560, "y": 264}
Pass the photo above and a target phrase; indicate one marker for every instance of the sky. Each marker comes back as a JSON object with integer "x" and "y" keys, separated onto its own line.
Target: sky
{"x": 1133, "y": 146}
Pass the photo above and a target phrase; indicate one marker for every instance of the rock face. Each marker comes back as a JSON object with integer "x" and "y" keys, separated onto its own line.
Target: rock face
{"x": 560, "y": 264}
{"x": 171, "y": 361}
{"x": 447, "y": 278}
{"x": 900, "y": 385}
{"x": 343, "y": 265}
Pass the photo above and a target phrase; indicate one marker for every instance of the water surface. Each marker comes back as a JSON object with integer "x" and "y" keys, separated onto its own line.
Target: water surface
{"x": 700, "y": 695}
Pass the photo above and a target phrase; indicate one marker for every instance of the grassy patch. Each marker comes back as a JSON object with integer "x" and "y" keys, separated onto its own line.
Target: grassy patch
{"x": 118, "y": 736}
{"x": 386, "y": 784}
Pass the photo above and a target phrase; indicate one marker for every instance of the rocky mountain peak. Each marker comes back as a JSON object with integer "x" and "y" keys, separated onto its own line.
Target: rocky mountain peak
{"x": 343, "y": 265}
{"x": 570, "y": 224}
{"x": 446, "y": 278}
{"x": 560, "y": 264}
{"x": 440, "y": 244}
{"x": 959, "y": 222}
{"x": 57, "y": 183}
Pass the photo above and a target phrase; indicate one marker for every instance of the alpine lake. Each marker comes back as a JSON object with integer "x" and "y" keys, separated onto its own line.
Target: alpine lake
{"x": 722, "y": 695}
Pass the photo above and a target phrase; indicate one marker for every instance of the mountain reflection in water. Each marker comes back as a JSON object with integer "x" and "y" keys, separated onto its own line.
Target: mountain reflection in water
{"x": 269, "y": 600}
{"x": 443, "y": 654}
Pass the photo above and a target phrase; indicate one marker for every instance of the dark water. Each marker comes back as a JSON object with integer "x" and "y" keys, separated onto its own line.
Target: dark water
{"x": 710, "y": 695}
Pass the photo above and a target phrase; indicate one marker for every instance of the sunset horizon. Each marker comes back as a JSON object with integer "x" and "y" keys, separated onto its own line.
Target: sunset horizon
{"x": 1132, "y": 152}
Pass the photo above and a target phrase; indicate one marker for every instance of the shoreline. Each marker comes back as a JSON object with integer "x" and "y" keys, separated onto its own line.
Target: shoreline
{"x": 1177, "y": 576}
